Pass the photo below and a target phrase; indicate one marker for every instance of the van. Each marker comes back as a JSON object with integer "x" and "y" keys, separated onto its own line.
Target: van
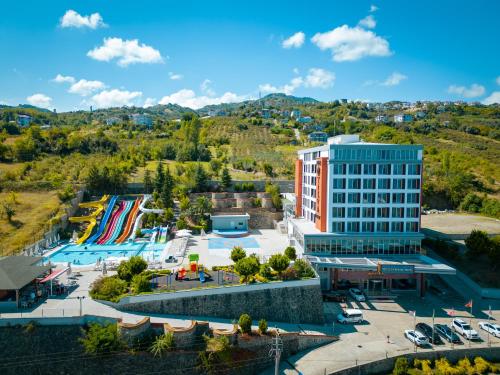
{"x": 350, "y": 316}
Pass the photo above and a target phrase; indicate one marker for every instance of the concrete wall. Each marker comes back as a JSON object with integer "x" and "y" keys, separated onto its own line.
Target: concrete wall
{"x": 292, "y": 301}
{"x": 57, "y": 321}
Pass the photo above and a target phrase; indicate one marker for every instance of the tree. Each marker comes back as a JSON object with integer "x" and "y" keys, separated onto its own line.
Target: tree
{"x": 200, "y": 179}
{"x": 478, "y": 243}
{"x": 100, "y": 339}
{"x": 108, "y": 288}
{"x": 226, "y": 179}
{"x": 245, "y": 323}
{"x": 471, "y": 203}
{"x": 148, "y": 182}
{"x": 494, "y": 253}
{"x": 291, "y": 253}
{"x": 303, "y": 269}
{"x": 246, "y": 267}
{"x": 134, "y": 266}
{"x": 202, "y": 207}
{"x": 167, "y": 190}
{"x": 162, "y": 344}
{"x": 140, "y": 284}
{"x": 263, "y": 326}
{"x": 237, "y": 253}
{"x": 279, "y": 263}
{"x": 215, "y": 165}
{"x": 268, "y": 169}
{"x": 160, "y": 176}
{"x": 8, "y": 210}
{"x": 401, "y": 366}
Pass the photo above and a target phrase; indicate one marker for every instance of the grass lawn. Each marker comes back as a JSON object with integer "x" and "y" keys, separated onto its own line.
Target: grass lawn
{"x": 33, "y": 211}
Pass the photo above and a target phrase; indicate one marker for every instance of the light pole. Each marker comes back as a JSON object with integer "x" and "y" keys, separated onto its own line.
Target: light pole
{"x": 80, "y": 298}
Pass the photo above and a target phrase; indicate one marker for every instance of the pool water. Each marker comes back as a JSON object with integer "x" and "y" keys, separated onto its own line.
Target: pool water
{"x": 228, "y": 243}
{"x": 89, "y": 254}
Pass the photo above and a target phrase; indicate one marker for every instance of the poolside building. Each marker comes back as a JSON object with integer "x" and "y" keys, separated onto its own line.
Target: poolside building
{"x": 357, "y": 214}
{"x": 229, "y": 225}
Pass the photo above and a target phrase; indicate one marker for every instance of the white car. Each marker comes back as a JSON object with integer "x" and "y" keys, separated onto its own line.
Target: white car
{"x": 416, "y": 337}
{"x": 350, "y": 316}
{"x": 357, "y": 294}
{"x": 493, "y": 329}
{"x": 464, "y": 329}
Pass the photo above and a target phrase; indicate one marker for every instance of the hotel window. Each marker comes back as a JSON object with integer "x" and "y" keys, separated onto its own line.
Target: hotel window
{"x": 338, "y": 198}
{"x": 382, "y": 226}
{"x": 384, "y": 198}
{"x": 368, "y": 197}
{"x": 412, "y": 226}
{"x": 384, "y": 183}
{"x": 414, "y": 183}
{"x": 353, "y": 212}
{"x": 352, "y": 226}
{"x": 338, "y": 227}
{"x": 384, "y": 169}
{"x": 354, "y": 198}
{"x": 339, "y": 169}
{"x": 368, "y": 226}
{"x": 370, "y": 169}
{"x": 368, "y": 212}
{"x": 369, "y": 183}
{"x": 338, "y": 212}
{"x": 398, "y": 183}
{"x": 413, "y": 169}
{"x": 339, "y": 183}
{"x": 397, "y": 227}
{"x": 398, "y": 198}
{"x": 398, "y": 212}
{"x": 412, "y": 212}
{"x": 383, "y": 212}
{"x": 354, "y": 183}
{"x": 354, "y": 168}
{"x": 413, "y": 198}
{"x": 398, "y": 169}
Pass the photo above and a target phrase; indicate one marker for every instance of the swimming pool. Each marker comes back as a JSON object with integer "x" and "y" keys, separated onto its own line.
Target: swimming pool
{"x": 228, "y": 243}
{"x": 89, "y": 254}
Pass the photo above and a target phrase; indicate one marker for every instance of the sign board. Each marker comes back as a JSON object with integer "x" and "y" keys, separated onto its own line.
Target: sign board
{"x": 194, "y": 257}
{"x": 397, "y": 268}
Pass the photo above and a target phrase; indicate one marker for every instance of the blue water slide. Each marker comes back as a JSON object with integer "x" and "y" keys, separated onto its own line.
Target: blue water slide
{"x": 104, "y": 220}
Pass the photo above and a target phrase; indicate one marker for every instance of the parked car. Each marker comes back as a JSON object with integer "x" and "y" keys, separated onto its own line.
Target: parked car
{"x": 464, "y": 329}
{"x": 357, "y": 294}
{"x": 334, "y": 297}
{"x": 447, "y": 333}
{"x": 493, "y": 329}
{"x": 428, "y": 332}
{"x": 170, "y": 259}
{"x": 350, "y": 316}
{"x": 416, "y": 337}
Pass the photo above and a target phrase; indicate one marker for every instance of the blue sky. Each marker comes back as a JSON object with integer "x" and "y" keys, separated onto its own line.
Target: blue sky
{"x": 109, "y": 53}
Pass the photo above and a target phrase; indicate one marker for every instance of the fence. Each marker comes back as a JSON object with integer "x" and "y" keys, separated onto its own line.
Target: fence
{"x": 53, "y": 320}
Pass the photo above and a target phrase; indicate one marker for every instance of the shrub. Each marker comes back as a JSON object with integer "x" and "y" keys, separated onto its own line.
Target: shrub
{"x": 279, "y": 262}
{"x": 245, "y": 323}
{"x": 263, "y": 326}
{"x": 303, "y": 268}
{"x": 265, "y": 271}
{"x": 482, "y": 366}
{"x": 478, "y": 243}
{"x": 289, "y": 274}
{"x": 162, "y": 344}
{"x": 30, "y": 327}
{"x": 101, "y": 339}
{"x": 247, "y": 267}
{"x": 108, "y": 288}
{"x": 401, "y": 366}
{"x": 442, "y": 366}
{"x": 237, "y": 253}
{"x": 291, "y": 253}
{"x": 141, "y": 284}
{"x": 134, "y": 266}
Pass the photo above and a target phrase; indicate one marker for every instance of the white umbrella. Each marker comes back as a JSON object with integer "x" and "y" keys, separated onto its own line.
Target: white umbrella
{"x": 104, "y": 269}
{"x": 68, "y": 272}
{"x": 58, "y": 237}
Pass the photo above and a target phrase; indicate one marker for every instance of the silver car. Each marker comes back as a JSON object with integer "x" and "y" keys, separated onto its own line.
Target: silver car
{"x": 493, "y": 329}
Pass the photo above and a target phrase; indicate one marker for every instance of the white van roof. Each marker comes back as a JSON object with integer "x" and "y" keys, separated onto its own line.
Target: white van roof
{"x": 353, "y": 312}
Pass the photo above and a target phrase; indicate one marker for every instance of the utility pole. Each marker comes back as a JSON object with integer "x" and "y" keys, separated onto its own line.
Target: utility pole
{"x": 80, "y": 298}
{"x": 276, "y": 349}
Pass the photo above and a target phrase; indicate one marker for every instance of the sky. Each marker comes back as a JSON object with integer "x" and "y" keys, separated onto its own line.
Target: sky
{"x": 71, "y": 55}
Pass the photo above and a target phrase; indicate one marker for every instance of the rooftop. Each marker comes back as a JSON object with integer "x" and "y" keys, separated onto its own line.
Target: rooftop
{"x": 18, "y": 271}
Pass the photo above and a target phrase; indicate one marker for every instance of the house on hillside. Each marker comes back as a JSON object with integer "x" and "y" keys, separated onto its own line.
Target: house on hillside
{"x": 141, "y": 119}
{"x": 382, "y": 119}
{"x": 403, "y": 117}
{"x": 314, "y": 127}
{"x": 265, "y": 113}
{"x": 23, "y": 120}
{"x": 318, "y": 137}
{"x": 112, "y": 120}
{"x": 420, "y": 114}
{"x": 305, "y": 119}
{"x": 285, "y": 113}
{"x": 295, "y": 114}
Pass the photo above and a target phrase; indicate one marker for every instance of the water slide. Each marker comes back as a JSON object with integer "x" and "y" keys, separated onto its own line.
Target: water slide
{"x": 144, "y": 210}
{"x": 130, "y": 221}
{"x": 104, "y": 220}
{"x": 163, "y": 235}
{"x": 111, "y": 225}
{"x": 119, "y": 222}
{"x": 99, "y": 205}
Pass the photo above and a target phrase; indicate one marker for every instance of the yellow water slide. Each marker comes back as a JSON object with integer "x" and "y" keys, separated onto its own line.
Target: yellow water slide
{"x": 99, "y": 205}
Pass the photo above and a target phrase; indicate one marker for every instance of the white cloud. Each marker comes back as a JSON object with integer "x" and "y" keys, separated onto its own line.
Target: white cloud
{"x": 149, "y": 102}
{"x": 206, "y": 89}
{"x": 296, "y": 71}
{"x": 74, "y": 19}
{"x": 188, "y": 98}
{"x": 115, "y": 98}
{"x": 126, "y": 51}
{"x": 368, "y": 22}
{"x": 351, "y": 43}
{"x": 295, "y": 41}
{"x": 175, "y": 76}
{"x": 63, "y": 79}
{"x": 39, "y": 100}
{"x": 315, "y": 78}
{"x": 467, "y": 92}
{"x": 84, "y": 87}
{"x": 373, "y": 8}
{"x": 394, "y": 79}
{"x": 498, "y": 80}
{"x": 493, "y": 98}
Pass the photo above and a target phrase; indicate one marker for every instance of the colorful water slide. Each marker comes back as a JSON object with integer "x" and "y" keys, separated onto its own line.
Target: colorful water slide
{"x": 99, "y": 205}
{"x": 104, "y": 220}
{"x": 163, "y": 235}
{"x": 142, "y": 207}
{"x": 112, "y": 223}
{"x": 119, "y": 222}
{"x": 137, "y": 225}
{"x": 130, "y": 221}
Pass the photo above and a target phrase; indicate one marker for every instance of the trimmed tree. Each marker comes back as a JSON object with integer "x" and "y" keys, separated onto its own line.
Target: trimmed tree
{"x": 245, "y": 323}
{"x": 279, "y": 263}
{"x": 246, "y": 267}
{"x": 237, "y": 253}
{"x": 478, "y": 243}
{"x": 291, "y": 253}
{"x": 263, "y": 326}
{"x": 226, "y": 179}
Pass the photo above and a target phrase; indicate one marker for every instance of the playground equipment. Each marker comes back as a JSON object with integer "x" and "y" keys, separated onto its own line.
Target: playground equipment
{"x": 112, "y": 224}
{"x": 99, "y": 205}
{"x": 104, "y": 220}
{"x": 119, "y": 222}
{"x": 195, "y": 271}
{"x": 130, "y": 220}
